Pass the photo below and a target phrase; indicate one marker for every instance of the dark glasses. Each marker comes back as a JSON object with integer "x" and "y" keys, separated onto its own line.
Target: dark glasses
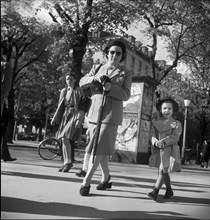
{"x": 115, "y": 52}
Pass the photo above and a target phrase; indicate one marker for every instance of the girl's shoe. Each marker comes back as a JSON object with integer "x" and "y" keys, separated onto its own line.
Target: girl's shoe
{"x": 84, "y": 190}
{"x": 104, "y": 185}
{"x": 169, "y": 193}
{"x": 67, "y": 167}
{"x": 154, "y": 194}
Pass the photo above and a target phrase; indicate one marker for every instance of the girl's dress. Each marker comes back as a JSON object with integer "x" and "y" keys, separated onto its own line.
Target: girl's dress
{"x": 169, "y": 156}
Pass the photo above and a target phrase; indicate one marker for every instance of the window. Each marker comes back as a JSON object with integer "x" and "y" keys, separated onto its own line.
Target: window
{"x": 140, "y": 67}
{"x": 132, "y": 62}
{"x": 146, "y": 70}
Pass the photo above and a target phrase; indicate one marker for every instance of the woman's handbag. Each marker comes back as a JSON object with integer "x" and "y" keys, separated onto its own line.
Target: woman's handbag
{"x": 84, "y": 103}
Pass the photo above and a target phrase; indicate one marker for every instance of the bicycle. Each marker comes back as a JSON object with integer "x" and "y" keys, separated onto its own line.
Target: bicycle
{"x": 50, "y": 148}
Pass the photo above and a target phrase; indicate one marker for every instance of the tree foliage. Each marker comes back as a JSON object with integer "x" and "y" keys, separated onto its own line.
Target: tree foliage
{"x": 75, "y": 20}
{"x": 179, "y": 23}
{"x": 27, "y": 46}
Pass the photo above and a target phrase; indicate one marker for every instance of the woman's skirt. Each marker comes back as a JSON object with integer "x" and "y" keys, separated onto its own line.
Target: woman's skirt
{"x": 106, "y": 140}
{"x": 67, "y": 127}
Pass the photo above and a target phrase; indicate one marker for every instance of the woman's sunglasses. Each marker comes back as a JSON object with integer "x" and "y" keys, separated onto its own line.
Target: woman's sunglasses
{"x": 115, "y": 52}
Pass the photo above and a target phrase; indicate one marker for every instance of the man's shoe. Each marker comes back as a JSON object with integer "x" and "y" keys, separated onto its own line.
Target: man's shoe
{"x": 10, "y": 159}
{"x": 67, "y": 167}
{"x": 104, "y": 185}
{"x": 84, "y": 190}
{"x": 154, "y": 194}
{"x": 169, "y": 193}
{"x": 82, "y": 173}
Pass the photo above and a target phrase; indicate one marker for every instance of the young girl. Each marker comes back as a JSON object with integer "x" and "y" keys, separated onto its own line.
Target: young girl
{"x": 165, "y": 134}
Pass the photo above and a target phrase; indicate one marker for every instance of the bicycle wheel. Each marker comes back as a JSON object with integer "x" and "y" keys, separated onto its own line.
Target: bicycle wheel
{"x": 49, "y": 149}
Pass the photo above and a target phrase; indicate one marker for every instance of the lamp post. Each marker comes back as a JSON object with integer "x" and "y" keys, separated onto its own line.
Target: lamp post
{"x": 186, "y": 104}
{"x": 49, "y": 101}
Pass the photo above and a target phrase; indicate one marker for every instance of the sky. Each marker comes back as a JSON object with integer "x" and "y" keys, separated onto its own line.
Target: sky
{"x": 162, "y": 53}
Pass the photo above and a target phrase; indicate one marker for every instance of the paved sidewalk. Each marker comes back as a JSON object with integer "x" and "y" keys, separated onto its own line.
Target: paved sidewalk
{"x": 33, "y": 189}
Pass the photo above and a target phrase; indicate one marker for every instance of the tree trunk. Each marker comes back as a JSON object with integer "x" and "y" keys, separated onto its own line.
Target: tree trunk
{"x": 77, "y": 65}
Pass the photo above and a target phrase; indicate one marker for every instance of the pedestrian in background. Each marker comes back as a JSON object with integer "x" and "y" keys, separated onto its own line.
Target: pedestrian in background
{"x": 118, "y": 90}
{"x": 7, "y": 64}
{"x": 165, "y": 153}
{"x": 205, "y": 153}
{"x": 69, "y": 118}
{"x": 6, "y": 116}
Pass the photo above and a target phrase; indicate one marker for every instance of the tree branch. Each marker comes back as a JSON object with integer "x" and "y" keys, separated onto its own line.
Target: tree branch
{"x": 29, "y": 62}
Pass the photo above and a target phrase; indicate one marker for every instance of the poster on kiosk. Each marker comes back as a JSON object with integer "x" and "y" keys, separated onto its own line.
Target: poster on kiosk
{"x": 133, "y": 134}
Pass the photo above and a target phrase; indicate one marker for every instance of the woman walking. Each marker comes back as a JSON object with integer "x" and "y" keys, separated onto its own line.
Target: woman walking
{"x": 117, "y": 84}
{"x": 69, "y": 118}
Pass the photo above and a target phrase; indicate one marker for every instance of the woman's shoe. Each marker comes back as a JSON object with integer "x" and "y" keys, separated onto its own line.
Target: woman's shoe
{"x": 67, "y": 167}
{"x": 61, "y": 169}
{"x": 104, "y": 185}
{"x": 9, "y": 159}
{"x": 81, "y": 173}
{"x": 84, "y": 190}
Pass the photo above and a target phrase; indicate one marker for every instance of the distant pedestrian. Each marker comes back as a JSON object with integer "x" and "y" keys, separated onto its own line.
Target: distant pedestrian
{"x": 6, "y": 116}
{"x": 69, "y": 119}
{"x": 165, "y": 153}
{"x": 116, "y": 81}
{"x": 205, "y": 153}
{"x": 6, "y": 71}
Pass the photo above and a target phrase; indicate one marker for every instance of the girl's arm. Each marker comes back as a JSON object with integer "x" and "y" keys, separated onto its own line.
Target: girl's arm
{"x": 153, "y": 135}
{"x": 174, "y": 137}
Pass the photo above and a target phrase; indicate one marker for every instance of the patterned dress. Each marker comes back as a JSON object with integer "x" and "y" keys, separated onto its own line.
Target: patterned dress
{"x": 67, "y": 128}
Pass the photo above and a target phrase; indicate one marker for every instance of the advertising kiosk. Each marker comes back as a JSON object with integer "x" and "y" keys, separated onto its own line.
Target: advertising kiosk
{"x": 133, "y": 135}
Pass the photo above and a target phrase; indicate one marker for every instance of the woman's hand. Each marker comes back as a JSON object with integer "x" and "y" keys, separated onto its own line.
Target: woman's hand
{"x": 52, "y": 123}
{"x": 104, "y": 81}
{"x": 107, "y": 86}
{"x": 80, "y": 118}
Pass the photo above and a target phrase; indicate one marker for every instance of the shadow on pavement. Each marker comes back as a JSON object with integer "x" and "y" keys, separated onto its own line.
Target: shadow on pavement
{"x": 9, "y": 204}
{"x": 116, "y": 186}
